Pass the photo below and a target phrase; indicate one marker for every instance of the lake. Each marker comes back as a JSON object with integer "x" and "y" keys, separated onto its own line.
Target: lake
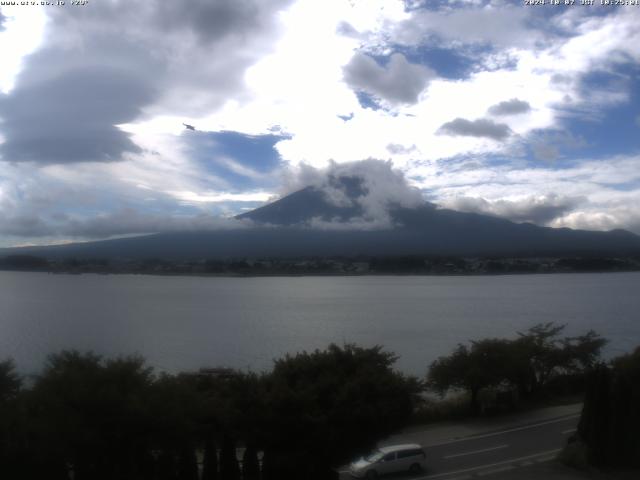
{"x": 183, "y": 323}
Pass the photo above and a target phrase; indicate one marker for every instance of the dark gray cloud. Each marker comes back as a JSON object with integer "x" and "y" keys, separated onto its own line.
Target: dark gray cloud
{"x": 23, "y": 226}
{"x": 483, "y": 127}
{"x": 211, "y": 20}
{"x": 72, "y": 117}
{"x": 540, "y": 210}
{"x": 510, "y": 107}
{"x": 117, "y": 62}
{"x": 397, "y": 82}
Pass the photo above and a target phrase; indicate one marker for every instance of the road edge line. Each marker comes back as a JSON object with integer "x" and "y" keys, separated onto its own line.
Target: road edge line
{"x": 509, "y": 430}
{"x": 480, "y": 467}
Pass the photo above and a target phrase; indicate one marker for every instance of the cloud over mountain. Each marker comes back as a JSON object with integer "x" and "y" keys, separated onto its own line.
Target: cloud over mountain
{"x": 541, "y": 210}
{"x": 369, "y": 187}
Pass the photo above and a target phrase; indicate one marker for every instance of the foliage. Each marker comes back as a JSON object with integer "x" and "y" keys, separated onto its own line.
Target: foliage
{"x": 10, "y": 381}
{"x": 335, "y": 403}
{"x": 91, "y": 414}
{"x": 482, "y": 365}
{"x": 114, "y": 419}
{"x": 10, "y": 435}
{"x": 527, "y": 363}
{"x": 610, "y": 418}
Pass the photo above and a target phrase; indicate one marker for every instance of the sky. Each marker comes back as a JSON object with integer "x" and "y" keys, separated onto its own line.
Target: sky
{"x": 531, "y": 113}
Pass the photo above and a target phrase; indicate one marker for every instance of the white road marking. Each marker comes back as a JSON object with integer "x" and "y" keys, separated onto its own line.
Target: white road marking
{"x": 480, "y": 467}
{"x": 516, "y": 429}
{"x": 455, "y": 455}
{"x": 571, "y": 430}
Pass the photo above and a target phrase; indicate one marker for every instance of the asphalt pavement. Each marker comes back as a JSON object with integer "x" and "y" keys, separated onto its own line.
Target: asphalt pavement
{"x": 463, "y": 450}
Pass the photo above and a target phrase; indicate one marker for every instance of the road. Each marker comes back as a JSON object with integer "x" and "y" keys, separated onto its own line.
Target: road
{"x": 492, "y": 451}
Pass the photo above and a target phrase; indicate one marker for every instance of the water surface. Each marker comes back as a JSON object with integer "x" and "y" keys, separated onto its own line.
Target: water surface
{"x": 182, "y": 323}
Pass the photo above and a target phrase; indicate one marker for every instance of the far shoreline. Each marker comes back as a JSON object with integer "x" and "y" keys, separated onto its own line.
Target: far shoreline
{"x": 317, "y": 275}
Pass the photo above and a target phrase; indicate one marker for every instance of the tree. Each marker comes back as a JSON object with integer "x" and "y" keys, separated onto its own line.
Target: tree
{"x": 229, "y": 468}
{"x": 92, "y": 415}
{"x": 210, "y": 459}
{"x": 250, "y": 464}
{"x": 539, "y": 347}
{"x": 176, "y": 409}
{"x": 325, "y": 407}
{"x": 485, "y": 364}
{"x": 582, "y": 352}
{"x": 540, "y": 354}
{"x": 11, "y": 419}
{"x": 528, "y": 362}
{"x": 610, "y": 419}
{"x": 10, "y": 381}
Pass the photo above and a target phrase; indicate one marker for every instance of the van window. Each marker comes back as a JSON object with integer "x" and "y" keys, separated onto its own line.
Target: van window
{"x": 410, "y": 453}
{"x": 389, "y": 457}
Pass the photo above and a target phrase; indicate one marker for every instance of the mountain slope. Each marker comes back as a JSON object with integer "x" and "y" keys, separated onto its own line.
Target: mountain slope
{"x": 281, "y": 230}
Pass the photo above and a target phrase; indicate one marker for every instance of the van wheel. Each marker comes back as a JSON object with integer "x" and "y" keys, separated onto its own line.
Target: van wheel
{"x": 372, "y": 475}
{"x": 415, "y": 468}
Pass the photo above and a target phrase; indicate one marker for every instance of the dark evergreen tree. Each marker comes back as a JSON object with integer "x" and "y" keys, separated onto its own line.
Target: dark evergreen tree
{"x": 250, "y": 463}
{"x": 188, "y": 463}
{"x": 210, "y": 459}
{"x": 229, "y": 468}
{"x": 594, "y": 425}
{"x": 610, "y": 419}
{"x": 167, "y": 466}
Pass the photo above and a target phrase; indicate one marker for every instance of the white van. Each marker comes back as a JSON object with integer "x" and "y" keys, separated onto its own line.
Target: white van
{"x": 391, "y": 459}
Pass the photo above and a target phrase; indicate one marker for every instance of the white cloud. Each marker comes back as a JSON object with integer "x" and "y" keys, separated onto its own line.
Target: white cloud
{"x": 626, "y": 217}
{"x": 306, "y": 101}
{"x": 21, "y": 35}
{"x": 541, "y": 210}
{"x": 216, "y": 197}
{"x": 372, "y": 186}
{"x": 503, "y": 26}
{"x": 583, "y": 194}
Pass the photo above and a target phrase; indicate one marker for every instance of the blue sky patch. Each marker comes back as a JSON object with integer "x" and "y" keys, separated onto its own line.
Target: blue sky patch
{"x": 447, "y": 62}
{"x": 367, "y": 101}
{"x": 244, "y": 161}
